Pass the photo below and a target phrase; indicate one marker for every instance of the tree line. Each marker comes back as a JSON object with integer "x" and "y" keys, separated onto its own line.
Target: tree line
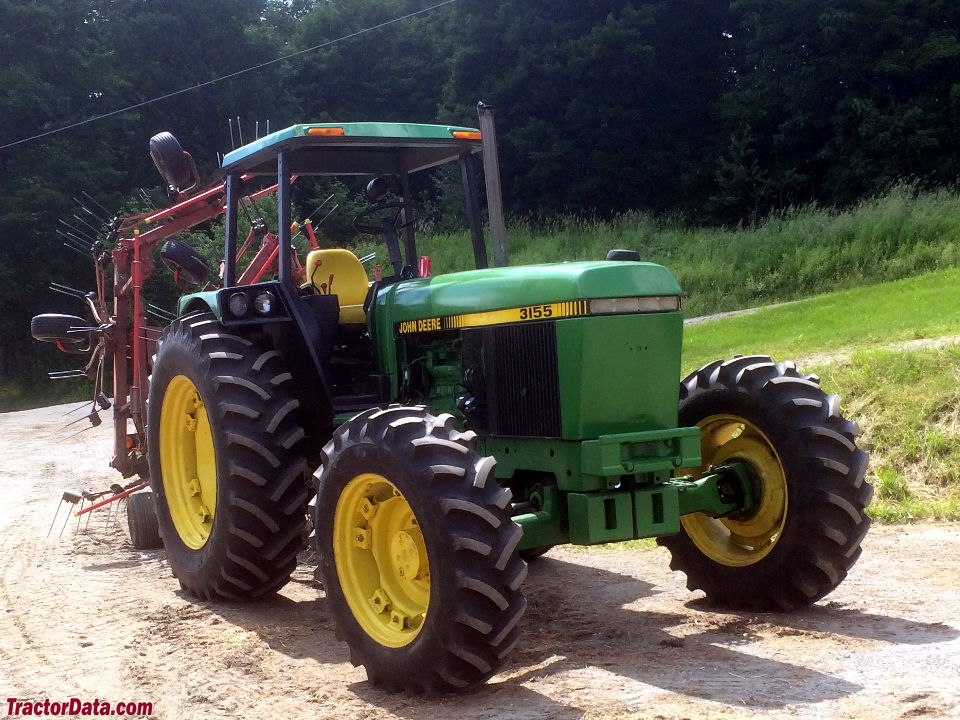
{"x": 716, "y": 112}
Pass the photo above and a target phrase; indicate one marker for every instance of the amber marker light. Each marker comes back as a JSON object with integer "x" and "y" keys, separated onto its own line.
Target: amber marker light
{"x": 467, "y": 135}
{"x": 326, "y": 131}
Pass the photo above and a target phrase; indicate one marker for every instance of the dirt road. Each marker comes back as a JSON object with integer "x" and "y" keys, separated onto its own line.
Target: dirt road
{"x": 608, "y": 634}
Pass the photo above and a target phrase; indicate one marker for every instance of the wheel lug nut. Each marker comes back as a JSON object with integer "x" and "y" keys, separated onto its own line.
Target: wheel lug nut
{"x": 380, "y": 601}
{"x": 361, "y": 538}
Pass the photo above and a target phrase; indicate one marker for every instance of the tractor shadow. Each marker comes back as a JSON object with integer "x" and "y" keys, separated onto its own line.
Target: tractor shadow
{"x": 833, "y": 619}
{"x": 582, "y": 618}
{"x": 297, "y": 624}
{"x": 582, "y": 614}
{"x": 585, "y": 618}
{"x": 294, "y": 622}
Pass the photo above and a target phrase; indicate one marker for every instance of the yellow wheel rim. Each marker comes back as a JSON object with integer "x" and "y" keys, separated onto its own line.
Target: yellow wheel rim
{"x": 740, "y": 540}
{"x": 187, "y": 462}
{"x": 381, "y": 560}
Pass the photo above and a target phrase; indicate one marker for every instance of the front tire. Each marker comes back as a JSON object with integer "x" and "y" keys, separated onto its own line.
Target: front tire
{"x": 226, "y": 461}
{"x": 808, "y": 520}
{"x": 418, "y": 551}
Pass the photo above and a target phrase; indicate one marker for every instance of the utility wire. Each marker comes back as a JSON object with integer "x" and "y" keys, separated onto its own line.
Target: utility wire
{"x": 328, "y": 43}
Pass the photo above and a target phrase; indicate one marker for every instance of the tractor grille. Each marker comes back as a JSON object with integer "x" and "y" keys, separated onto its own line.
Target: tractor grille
{"x": 518, "y": 387}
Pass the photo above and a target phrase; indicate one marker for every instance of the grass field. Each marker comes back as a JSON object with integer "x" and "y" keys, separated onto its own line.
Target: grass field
{"x": 927, "y": 306}
{"x": 907, "y": 401}
{"x": 908, "y": 405}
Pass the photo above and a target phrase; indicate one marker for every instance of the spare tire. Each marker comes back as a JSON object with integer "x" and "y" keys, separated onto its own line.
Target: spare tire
{"x": 171, "y": 160}
{"x": 54, "y": 327}
{"x": 185, "y": 262}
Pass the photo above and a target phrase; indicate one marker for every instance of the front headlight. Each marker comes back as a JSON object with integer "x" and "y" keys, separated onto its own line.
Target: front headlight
{"x": 264, "y": 303}
{"x": 238, "y": 304}
{"x": 652, "y": 304}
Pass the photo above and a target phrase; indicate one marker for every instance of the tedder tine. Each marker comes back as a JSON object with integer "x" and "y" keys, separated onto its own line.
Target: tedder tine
{"x": 71, "y": 247}
{"x": 66, "y": 374}
{"x": 67, "y": 290}
{"x": 93, "y": 200}
{"x": 69, "y": 498}
{"x": 73, "y": 410}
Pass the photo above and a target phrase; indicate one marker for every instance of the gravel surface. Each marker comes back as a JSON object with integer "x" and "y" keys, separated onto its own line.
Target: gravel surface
{"x": 608, "y": 633}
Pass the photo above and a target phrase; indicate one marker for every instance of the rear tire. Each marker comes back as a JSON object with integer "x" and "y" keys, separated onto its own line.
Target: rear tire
{"x": 808, "y": 521}
{"x": 142, "y": 521}
{"x": 226, "y": 461}
{"x": 411, "y": 522}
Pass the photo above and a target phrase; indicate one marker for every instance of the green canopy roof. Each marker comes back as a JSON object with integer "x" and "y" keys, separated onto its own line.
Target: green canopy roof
{"x": 354, "y": 149}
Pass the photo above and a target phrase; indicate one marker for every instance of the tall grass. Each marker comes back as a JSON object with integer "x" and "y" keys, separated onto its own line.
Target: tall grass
{"x": 907, "y": 403}
{"x": 926, "y": 306}
{"x": 798, "y": 253}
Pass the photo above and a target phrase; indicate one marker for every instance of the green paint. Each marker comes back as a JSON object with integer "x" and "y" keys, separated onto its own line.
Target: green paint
{"x": 387, "y": 345}
{"x": 657, "y": 511}
{"x": 626, "y": 514}
{"x": 552, "y": 457}
{"x": 340, "y": 418}
{"x": 641, "y": 452}
{"x": 362, "y": 149}
{"x": 618, "y": 373}
{"x": 610, "y": 476}
{"x": 442, "y": 364}
{"x": 205, "y": 301}
{"x": 600, "y": 517}
{"x": 508, "y": 287}
{"x": 547, "y": 526}
{"x": 500, "y": 288}
{"x": 598, "y": 464}
{"x": 703, "y": 494}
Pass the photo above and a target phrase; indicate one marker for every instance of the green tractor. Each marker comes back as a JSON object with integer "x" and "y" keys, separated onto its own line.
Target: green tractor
{"x": 433, "y": 433}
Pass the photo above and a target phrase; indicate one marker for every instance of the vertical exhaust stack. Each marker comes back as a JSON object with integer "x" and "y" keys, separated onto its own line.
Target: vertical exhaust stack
{"x": 491, "y": 175}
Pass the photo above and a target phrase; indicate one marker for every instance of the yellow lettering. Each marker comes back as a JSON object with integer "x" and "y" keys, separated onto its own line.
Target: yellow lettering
{"x": 423, "y": 325}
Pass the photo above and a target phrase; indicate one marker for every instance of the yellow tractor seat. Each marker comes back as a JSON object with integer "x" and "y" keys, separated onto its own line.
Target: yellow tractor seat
{"x": 338, "y": 272}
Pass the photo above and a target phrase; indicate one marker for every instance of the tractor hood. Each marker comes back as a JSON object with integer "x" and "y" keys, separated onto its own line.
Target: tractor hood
{"x": 478, "y": 291}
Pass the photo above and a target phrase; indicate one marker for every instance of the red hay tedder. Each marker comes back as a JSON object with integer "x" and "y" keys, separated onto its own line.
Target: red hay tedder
{"x": 120, "y": 333}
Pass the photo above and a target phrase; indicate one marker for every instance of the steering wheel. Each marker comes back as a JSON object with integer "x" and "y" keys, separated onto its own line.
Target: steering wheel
{"x": 398, "y": 205}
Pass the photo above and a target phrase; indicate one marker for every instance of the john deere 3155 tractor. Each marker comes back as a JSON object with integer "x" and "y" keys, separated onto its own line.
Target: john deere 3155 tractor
{"x": 445, "y": 429}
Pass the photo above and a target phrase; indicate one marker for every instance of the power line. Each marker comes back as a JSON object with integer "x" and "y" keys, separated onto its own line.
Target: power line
{"x": 328, "y": 43}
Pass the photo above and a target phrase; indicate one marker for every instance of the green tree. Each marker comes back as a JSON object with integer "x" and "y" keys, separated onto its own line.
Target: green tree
{"x": 43, "y": 85}
{"x": 844, "y": 99}
{"x": 603, "y": 106}
{"x": 97, "y": 56}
